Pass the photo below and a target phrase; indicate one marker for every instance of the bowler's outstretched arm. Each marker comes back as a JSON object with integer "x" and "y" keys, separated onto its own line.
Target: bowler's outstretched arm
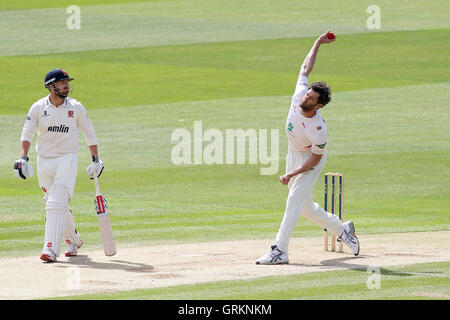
{"x": 310, "y": 59}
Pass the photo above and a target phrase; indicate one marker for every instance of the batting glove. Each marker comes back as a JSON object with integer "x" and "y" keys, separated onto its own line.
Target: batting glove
{"x": 22, "y": 169}
{"x": 96, "y": 168}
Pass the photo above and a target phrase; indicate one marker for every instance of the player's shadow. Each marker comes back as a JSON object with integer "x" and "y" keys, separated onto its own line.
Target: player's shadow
{"x": 83, "y": 261}
{"x": 345, "y": 263}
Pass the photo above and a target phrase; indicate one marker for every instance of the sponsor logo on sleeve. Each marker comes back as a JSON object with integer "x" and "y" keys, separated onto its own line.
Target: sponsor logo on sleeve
{"x": 290, "y": 127}
{"x": 321, "y": 146}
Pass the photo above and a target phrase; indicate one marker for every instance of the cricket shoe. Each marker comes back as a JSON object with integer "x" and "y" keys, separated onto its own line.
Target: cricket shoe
{"x": 349, "y": 237}
{"x": 274, "y": 256}
{"x": 48, "y": 256}
{"x": 72, "y": 249}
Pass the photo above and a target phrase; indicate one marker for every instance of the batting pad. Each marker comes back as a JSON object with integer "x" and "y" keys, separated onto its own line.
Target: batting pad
{"x": 70, "y": 233}
{"x": 57, "y": 208}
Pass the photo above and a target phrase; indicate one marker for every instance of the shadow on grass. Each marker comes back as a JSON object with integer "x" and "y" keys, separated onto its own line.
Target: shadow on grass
{"x": 83, "y": 261}
{"x": 345, "y": 263}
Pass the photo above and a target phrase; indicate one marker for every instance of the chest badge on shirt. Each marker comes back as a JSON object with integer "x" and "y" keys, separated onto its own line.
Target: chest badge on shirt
{"x": 70, "y": 114}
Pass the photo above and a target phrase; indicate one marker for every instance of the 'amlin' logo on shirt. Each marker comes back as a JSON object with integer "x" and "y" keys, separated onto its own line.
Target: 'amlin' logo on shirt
{"x": 62, "y": 128}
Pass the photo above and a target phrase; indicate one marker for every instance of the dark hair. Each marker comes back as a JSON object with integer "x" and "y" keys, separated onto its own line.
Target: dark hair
{"x": 323, "y": 90}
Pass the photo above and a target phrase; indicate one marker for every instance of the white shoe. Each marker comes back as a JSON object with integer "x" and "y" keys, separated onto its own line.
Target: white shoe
{"x": 275, "y": 256}
{"x": 72, "y": 249}
{"x": 48, "y": 255}
{"x": 349, "y": 237}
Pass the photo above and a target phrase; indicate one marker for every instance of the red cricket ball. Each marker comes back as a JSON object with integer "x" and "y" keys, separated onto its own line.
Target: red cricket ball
{"x": 331, "y": 35}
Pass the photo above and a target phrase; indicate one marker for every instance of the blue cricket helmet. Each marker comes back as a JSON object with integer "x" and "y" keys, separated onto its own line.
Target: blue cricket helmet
{"x": 56, "y": 75}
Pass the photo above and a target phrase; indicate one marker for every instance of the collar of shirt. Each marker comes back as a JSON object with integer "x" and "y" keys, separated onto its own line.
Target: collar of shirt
{"x": 49, "y": 104}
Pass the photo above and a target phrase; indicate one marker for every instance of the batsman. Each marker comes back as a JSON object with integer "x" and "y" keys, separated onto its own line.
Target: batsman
{"x": 307, "y": 154}
{"x": 57, "y": 118}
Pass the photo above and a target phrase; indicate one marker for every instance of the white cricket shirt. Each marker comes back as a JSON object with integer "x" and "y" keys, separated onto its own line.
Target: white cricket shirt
{"x": 305, "y": 133}
{"x": 57, "y": 127}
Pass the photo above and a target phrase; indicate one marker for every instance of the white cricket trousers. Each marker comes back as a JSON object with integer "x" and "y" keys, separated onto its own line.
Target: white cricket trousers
{"x": 61, "y": 171}
{"x": 57, "y": 178}
{"x": 300, "y": 201}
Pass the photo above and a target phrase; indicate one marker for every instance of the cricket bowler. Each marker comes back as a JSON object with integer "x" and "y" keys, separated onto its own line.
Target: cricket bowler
{"x": 57, "y": 118}
{"x": 306, "y": 157}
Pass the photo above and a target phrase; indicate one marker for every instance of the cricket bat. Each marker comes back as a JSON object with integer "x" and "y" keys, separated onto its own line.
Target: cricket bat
{"x": 104, "y": 222}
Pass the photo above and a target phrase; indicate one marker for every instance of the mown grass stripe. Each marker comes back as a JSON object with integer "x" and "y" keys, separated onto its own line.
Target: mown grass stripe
{"x": 404, "y": 282}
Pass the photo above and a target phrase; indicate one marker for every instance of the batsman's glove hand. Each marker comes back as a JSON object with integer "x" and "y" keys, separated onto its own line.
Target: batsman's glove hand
{"x": 96, "y": 168}
{"x": 22, "y": 169}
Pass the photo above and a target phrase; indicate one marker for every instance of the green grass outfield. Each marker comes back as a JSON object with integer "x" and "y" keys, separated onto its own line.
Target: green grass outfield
{"x": 416, "y": 282}
{"x": 146, "y": 68}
